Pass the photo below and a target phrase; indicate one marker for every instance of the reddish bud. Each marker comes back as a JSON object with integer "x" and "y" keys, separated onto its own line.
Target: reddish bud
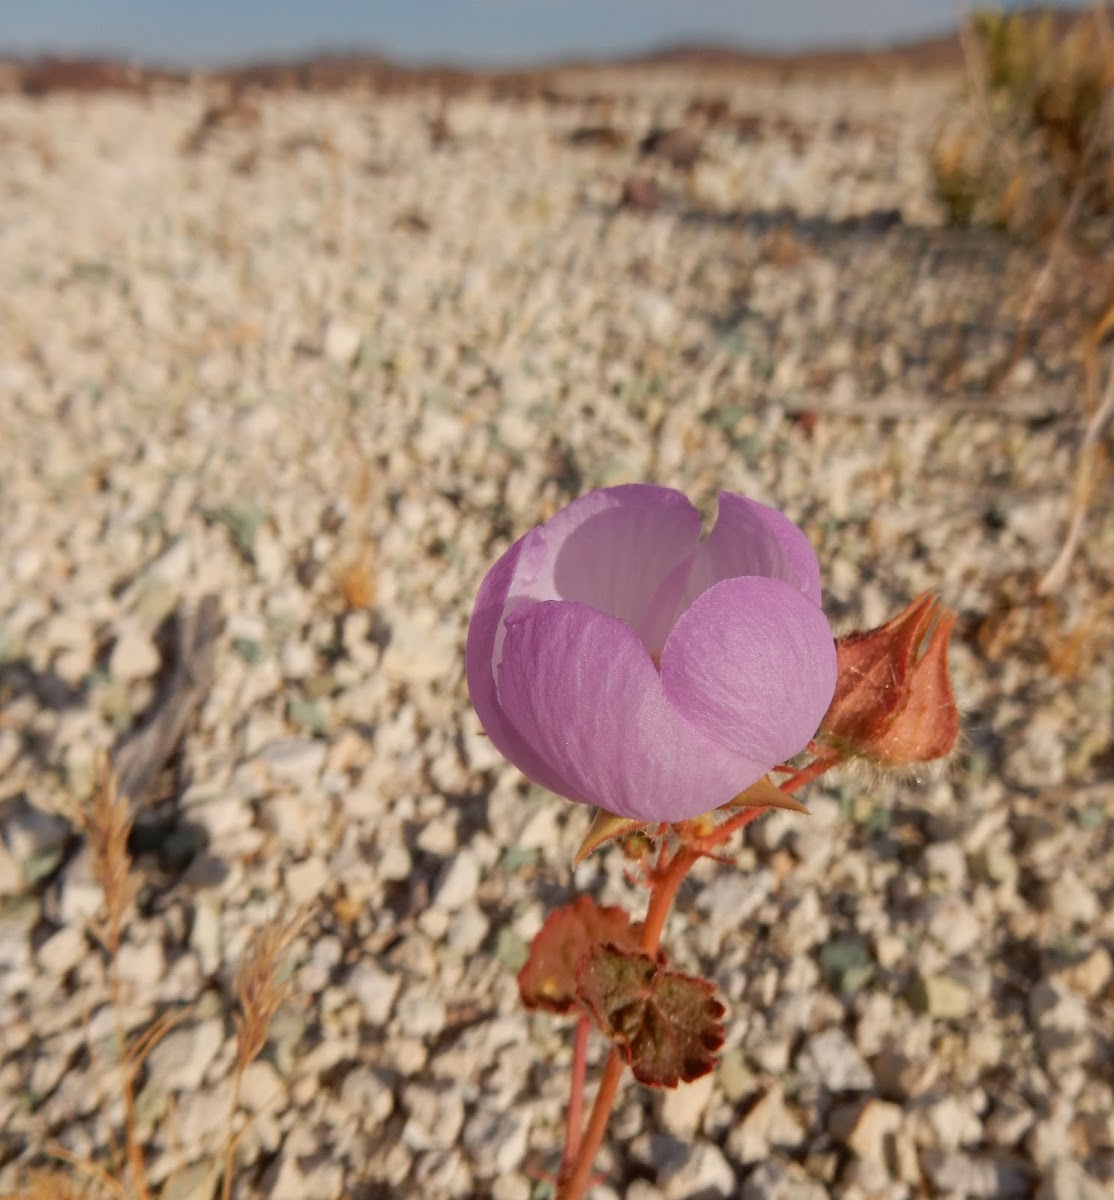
{"x": 893, "y": 701}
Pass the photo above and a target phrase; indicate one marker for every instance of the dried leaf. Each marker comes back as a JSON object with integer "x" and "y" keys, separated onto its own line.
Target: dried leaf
{"x": 605, "y": 827}
{"x": 667, "y": 1025}
{"x": 548, "y": 980}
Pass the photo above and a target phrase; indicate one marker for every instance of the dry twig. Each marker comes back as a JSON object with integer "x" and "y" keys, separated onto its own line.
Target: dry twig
{"x": 1085, "y": 479}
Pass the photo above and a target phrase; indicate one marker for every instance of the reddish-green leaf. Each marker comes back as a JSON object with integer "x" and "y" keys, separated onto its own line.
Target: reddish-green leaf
{"x": 548, "y": 980}
{"x": 667, "y": 1025}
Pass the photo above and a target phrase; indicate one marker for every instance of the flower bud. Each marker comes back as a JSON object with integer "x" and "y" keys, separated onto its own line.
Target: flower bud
{"x": 893, "y": 701}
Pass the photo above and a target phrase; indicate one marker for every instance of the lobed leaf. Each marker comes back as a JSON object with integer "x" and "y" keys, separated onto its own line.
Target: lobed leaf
{"x": 548, "y": 978}
{"x": 667, "y": 1025}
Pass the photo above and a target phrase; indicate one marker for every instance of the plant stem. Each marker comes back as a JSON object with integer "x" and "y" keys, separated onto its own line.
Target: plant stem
{"x": 665, "y": 888}
{"x": 574, "y": 1186}
{"x": 576, "y": 1093}
{"x": 232, "y": 1138}
{"x": 134, "y": 1152}
{"x": 667, "y": 879}
{"x": 666, "y": 876}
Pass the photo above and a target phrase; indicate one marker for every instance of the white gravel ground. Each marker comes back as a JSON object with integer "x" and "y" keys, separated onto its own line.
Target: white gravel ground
{"x": 325, "y": 345}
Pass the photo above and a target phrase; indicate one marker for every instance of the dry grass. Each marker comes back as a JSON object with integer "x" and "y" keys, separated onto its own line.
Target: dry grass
{"x": 354, "y": 562}
{"x": 261, "y": 988}
{"x": 107, "y": 826}
{"x": 1032, "y": 149}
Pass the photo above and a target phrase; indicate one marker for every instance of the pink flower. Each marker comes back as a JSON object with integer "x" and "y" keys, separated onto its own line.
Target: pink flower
{"x": 617, "y": 660}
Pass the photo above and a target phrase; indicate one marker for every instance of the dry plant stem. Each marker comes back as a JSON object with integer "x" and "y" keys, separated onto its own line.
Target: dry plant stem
{"x": 136, "y": 1167}
{"x": 86, "y": 1167}
{"x": 1057, "y": 574}
{"x": 232, "y": 1139}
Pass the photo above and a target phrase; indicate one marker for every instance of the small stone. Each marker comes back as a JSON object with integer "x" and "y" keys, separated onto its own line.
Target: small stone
{"x": 394, "y": 863}
{"x": 766, "y": 1123}
{"x": 141, "y": 964}
{"x": 700, "y": 1170}
{"x": 867, "y": 1129}
{"x": 1060, "y": 1019}
{"x": 365, "y": 1092}
{"x": 178, "y": 1063}
{"x": 28, "y": 831}
{"x": 515, "y": 1187}
{"x": 953, "y": 1122}
{"x": 375, "y": 990}
{"x": 830, "y": 1059}
{"x": 890, "y": 950}
{"x": 134, "y": 656}
{"x": 497, "y": 1142}
{"x": 260, "y": 1086}
{"x": 977, "y": 1177}
{"x": 735, "y": 1077}
{"x": 458, "y": 882}
{"x": 303, "y": 1177}
{"x": 435, "y": 1118}
{"x": 1071, "y": 900}
{"x": 305, "y": 881}
{"x": 296, "y": 761}
{"x": 420, "y": 1014}
{"x": 846, "y": 963}
{"x": 80, "y": 898}
{"x": 205, "y": 936}
{"x": 198, "y": 1115}
{"x": 418, "y": 651}
{"x": 773, "y": 1180}
{"x": 341, "y": 343}
{"x": 293, "y": 821}
{"x": 954, "y": 927}
{"x": 1089, "y": 975}
{"x": 941, "y": 997}
{"x": 1009, "y": 1122}
{"x": 194, "y": 1182}
{"x": 438, "y": 837}
{"x": 682, "y": 1107}
{"x": 1066, "y": 1180}
{"x": 945, "y": 861}
{"x": 62, "y": 951}
{"x": 467, "y": 930}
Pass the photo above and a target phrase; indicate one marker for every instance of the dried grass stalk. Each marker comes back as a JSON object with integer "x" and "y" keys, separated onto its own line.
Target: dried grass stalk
{"x": 106, "y": 824}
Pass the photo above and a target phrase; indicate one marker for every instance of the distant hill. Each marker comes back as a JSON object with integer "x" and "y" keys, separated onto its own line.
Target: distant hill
{"x": 329, "y": 72}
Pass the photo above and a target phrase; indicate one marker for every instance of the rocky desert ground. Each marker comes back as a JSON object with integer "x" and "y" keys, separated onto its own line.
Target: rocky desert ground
{"x": 305, "y": 362}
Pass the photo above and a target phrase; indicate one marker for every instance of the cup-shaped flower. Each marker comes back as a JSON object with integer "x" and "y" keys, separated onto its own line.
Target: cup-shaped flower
{"x": 617, "y": 660}
{"x": 894, "y": 702}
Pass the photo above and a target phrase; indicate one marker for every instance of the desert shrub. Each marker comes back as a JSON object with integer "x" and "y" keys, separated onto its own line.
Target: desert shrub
{"x": 1032, "y": 144}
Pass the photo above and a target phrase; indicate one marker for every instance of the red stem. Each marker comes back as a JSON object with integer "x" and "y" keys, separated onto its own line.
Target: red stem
{"x": 576, "y": 1093}
{"x": 666, "y": 882}
{"x": 574, "y": 1186}
{"x": 666, "y": 878}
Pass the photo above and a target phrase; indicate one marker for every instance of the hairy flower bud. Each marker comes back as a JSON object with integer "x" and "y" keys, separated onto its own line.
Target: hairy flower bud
{"x": 893, "y": 701}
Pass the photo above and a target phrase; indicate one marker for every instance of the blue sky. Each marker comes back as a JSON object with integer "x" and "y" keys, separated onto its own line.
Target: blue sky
{"x": 467, "y": 31}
